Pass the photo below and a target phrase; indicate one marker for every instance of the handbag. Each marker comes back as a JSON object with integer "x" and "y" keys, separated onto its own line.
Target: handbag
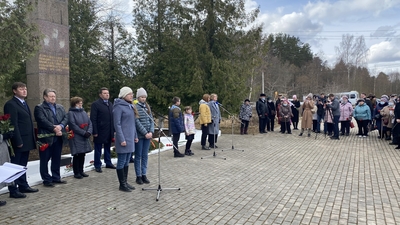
{"x": 314, "y": 109}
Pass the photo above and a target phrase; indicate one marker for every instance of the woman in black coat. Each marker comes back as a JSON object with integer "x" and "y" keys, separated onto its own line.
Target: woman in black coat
{"x": 295, "y": 106}
{"x": 271, "y": 114}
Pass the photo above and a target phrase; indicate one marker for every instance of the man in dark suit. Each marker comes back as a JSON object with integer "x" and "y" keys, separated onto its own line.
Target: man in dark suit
{"x": 103, "y": 128}
{"x": 23, "y": 140}
{"x": 51, "y": 118}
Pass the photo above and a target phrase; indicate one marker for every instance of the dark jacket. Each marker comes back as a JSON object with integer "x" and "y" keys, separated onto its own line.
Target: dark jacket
{"x": 45, "y": 120}
{"x": 262, "y": 108}
{"x": 335, "y": 107}
{"x": 77, "y": 118}
{"x": 102, "y": 121}
{"x": 271, "y": 109}
{"x": 21, "y": 119}
{"x": 176, "y": 120}
{"x": 144, "y": 123}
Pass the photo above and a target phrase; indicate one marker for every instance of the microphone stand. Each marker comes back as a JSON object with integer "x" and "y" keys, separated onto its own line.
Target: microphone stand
{"x": 233, "y": 118}
{"x": 159, "y": 188}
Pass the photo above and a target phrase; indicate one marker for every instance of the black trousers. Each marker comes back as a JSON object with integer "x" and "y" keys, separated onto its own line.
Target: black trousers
{"x": 212, "y": 139}
{"x": 175, "y": 139}
{"x": 345, "y": 127}
{"x": 78, "y": 161}
{"x": 362, "y": 127}
{"x": 244, "y": 124}
{"x": 204, "y": 134}
{"x": 285, "y": 126}
{"x": 271, "y": 123}
{"x": 262, "y": 122}
{"x": 20, "y": 158}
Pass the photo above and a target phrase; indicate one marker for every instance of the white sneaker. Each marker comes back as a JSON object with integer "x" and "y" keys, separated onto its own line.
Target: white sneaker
{"x": 359, "y": 135}
{"x": 364, "y": 136}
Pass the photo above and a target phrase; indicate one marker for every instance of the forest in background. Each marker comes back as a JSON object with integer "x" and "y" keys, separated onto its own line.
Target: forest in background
{"x": 185, "y": 48}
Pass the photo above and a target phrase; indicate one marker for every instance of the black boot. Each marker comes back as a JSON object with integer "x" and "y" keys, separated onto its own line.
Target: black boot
{"x": 122, "y": 181}
{"x": 190, "y": 152}
{"x": 187, "y": 152}
{"x": 139, "y": 180}
{"x": 241, "y": 131}
{"x": 245, "y": 130}
{"x": 83, "y": 174}
{"x": 75, "y": 168}
{"x": 126, "y": 170}
{"x": 203, "y": 147}
{"x": 145, "y": 180}
{"x": 177, "y": 154}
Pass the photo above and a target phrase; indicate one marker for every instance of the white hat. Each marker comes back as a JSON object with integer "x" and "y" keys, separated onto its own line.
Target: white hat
{"x": 124, "y": 92}
{"x": 141, "y": 92}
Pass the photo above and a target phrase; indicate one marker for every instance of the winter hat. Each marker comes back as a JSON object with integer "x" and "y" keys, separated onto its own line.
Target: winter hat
{"x": 361, "y": 100}
{"x": 141, "y": 92}
{"x": 124, "y": 92}
{"x": 384, "y": 98}
{"x": 262, "y": 95}
{"x": 246, "y": 100}
{"x": 310, "y": 95}
{"x": 345, "y": 96}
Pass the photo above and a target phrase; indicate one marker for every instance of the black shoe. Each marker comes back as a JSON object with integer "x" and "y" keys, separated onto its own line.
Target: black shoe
{"x": 289, "y": 133}
{"x": 190, "y": 152}
{"x": 301, "y": 134}
{"x": 111, "y": 166}
{"x": 78, "y": 176}
{"x": 99, "y": 170}
{"x": 334, "y": 138}
{"x": 139, "y": 180}
{"x": 309, "y": 135}
{"x": 187, "y": 152}
{"x": 48, "y": 184}
{"x": 28, "y": 190}
{"x": 205, "y": 147}
{"x": 347, "y": 134}
{"x": 391, "y": 143}
{"x": 398, "y": 147}
{"x": 177, "y": 154}
{"x": 342, "y": 134}
{"x": 3, "y": 203}
{"x": 84, "y": 174}
{"x": 145, "y": 180}
{"x": 17, "y": 194}
{"x": 213, "y": 146}
{"x": 59, "y": 181}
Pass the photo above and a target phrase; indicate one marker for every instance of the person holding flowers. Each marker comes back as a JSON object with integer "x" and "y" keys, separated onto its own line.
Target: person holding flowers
{"x": 51, "y": 121}
{"x": 80, "y": 124}
{"x": 23, "y": 138}
{"x": 126, "y": 136}
{"x": 4, "y": 155}
{"x": 145, "y": 131}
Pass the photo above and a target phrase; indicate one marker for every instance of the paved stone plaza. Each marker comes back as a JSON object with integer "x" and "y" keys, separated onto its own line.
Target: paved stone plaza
{"x": 278, "y": 179}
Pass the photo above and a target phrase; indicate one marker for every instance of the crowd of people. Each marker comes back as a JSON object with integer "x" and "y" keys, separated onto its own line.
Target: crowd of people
{"x": 126, "y": 121}
{"x": 333, "y": 114}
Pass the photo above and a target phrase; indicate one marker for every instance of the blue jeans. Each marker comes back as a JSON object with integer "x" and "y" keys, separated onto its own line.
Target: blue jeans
{"x": 141, "y": 156}
{"x": 123, "y": 160}
{"x": 336, "y": 126}
{"x": 97, "y": 154}
{"x": 53, "y": 152}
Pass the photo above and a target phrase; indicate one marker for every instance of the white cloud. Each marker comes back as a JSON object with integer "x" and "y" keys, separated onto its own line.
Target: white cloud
{"x": 386, "y": 51}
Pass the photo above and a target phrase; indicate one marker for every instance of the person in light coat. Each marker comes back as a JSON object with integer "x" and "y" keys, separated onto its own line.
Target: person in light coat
{"x": 124, "y": 116}
{"x": 213, "y": 128}
{"x": 346, "y": 114}
{"x": 307, "y": 120}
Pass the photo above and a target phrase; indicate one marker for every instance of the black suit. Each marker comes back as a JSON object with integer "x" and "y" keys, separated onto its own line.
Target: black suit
{"x": 24, "y": 135}
{"x": 102, "y": 120}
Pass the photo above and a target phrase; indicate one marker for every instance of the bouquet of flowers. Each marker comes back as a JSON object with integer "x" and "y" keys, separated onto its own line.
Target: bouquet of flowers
{"x": 42, "y": 146}
{"x": 5, "y": 127}
{"x": 69, "y": 134}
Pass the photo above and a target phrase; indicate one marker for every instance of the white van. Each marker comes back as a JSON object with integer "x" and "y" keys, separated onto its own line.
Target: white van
{"x": 352, "y": 95}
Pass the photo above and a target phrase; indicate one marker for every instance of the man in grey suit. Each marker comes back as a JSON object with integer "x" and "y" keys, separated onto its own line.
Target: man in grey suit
{"x": 23, "y": 140}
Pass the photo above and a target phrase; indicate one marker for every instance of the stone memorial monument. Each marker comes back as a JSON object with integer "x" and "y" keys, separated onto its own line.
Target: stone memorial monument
{"x": 49, "y": 68}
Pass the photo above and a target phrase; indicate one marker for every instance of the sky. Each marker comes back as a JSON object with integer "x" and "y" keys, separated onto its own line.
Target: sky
{"x": 322, "y": 23}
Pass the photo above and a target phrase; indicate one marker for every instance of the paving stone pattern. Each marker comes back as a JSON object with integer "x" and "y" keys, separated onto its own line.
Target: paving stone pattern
{"x": 278, "y": 179}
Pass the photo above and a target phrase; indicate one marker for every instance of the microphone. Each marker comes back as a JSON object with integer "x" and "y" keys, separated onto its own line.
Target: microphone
{"x": 219, "y": 104}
